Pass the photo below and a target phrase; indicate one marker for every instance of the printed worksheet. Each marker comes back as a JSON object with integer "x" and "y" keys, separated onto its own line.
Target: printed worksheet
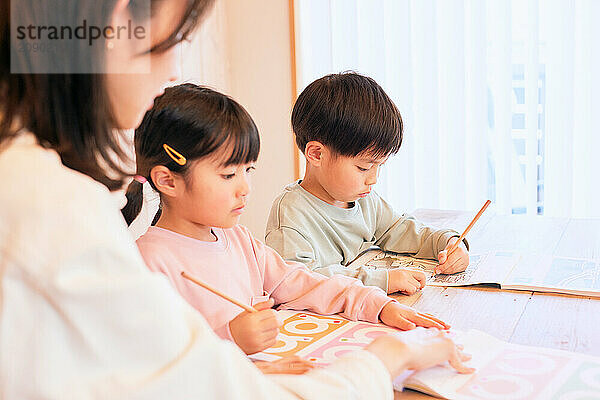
{"x": 508, "y": 371}
{"x": 504, "y": 370}
{"x": 507, "y": 270}
{"x": 490, "y": 268}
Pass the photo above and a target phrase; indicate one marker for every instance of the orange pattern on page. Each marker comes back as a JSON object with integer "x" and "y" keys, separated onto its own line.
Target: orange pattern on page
{"x": 301, "y": 330}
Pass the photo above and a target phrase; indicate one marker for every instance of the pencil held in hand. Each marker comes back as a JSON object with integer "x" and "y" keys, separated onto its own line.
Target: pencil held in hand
{"x": 218, "y": 293}
{"x": 460, "y": 239}
{"x": 452, "y": 261}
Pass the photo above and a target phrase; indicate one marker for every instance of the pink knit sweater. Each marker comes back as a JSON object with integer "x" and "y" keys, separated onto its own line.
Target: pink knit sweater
{"x": 249, "y": 271}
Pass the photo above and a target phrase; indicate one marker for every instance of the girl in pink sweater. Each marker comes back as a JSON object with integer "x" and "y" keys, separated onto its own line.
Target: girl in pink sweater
{"x": 197, "y": 149}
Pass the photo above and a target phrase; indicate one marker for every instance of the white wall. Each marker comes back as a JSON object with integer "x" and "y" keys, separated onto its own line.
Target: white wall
{"x": 243, "y": 49}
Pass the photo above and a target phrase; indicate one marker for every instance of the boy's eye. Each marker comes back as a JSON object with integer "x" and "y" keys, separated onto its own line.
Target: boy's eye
{"x": 250, "y": 169}
{"x": 362, "y": 169}
{"x": 228, "y": 176}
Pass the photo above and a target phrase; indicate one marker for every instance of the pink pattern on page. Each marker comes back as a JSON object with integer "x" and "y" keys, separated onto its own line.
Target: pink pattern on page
{"x": 514, "y": 375}
{"x": 354, "y": 339}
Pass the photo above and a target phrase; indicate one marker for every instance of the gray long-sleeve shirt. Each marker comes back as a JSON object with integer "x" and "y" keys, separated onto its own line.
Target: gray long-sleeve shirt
{"x": 304, "y": 228}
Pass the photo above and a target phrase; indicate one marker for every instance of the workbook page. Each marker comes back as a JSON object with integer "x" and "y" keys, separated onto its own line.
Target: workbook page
{"x": 510, "y": 371}
{"x": 320, "y": 338}
{"x": 560, "y": 274}
{"x": 491, "y": 267}
{"x": 504, "y": 370}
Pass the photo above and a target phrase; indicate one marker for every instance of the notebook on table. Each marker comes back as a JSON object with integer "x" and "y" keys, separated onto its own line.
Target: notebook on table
{"x": 506, "y": 270}
{"x": 504, "y": 370}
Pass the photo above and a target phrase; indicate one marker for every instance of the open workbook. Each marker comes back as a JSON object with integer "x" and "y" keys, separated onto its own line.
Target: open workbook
{"x": 506, "y": 270}
{"x": 504, "y": 370}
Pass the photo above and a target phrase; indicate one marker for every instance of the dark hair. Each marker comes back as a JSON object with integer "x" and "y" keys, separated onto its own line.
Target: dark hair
{"x": 71, "y": 113}
{"x": 349, "y": 113}
{"x": 196, "y": 122}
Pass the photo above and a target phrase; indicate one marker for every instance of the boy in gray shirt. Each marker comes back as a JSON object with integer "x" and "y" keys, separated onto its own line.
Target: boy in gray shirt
{"x": 347, "y": 127}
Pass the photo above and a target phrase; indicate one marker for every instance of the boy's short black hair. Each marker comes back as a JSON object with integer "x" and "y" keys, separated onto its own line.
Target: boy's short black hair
{"x": 349, "y": 113}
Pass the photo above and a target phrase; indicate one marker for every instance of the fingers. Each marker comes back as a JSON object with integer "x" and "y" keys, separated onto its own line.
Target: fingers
{"x": 457, "y": 357}
{"x": 266, "y": 336}
{"x": 403, "y": 323}
{"x": 439, "y": 321}
{"x": 449, "y": 266}
{"x": 416, "y": 282}
{"x": 268, "y": 322}
{"x": 289, "y": 365}
{"x": 299, "y": 365}
{"x": 264, "y": 305}
{"x": 454, "y": 265}
{"x": 411, "y": 287}
{"x": 442, "y": 256}
{"x": 268, "y": 339}
{"x": 421, "y": 278}
{"x": 456, "y": 363}
{"x": 455, "y": 262}
{"x": 427, "y": 322}
{"x": 408, "y": 281}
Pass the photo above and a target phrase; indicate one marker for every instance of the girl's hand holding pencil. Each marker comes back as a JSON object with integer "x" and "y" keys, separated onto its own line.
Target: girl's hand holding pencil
{"x": 253, "y": 330}
{"x": 256, "y": 331}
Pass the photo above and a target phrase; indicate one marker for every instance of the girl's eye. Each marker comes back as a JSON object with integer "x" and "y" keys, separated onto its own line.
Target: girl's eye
{"x": 250, "y": 169}
{"x": 362, "y": 169}
{"x": 228, "y": 176}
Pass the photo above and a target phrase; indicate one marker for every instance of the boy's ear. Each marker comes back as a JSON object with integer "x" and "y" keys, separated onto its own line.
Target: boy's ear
{"x": 314, "y": 153}
{"x": 164, "y": 180}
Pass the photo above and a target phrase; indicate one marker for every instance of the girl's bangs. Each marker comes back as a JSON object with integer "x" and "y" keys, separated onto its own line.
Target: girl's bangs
{"x": 244, "y": 145}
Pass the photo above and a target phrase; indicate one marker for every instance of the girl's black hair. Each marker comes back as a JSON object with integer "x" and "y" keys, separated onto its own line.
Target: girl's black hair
{"x": 350, "y": 113}
{"x": 71, "y": 113}
{"x": 196, "y": 122}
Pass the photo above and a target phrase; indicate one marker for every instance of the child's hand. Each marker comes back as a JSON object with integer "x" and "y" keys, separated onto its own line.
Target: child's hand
{"x": 406, "y": 281}
{"x": 418, "y": 349}
{"x": 289, "y": 365}
{"x": 407, "y": 318}
{"x": 256, "y": 331}
{"x": 457, "y": 261}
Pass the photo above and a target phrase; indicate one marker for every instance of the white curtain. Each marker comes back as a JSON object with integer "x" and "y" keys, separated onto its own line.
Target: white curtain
{"x": 500, "y": 98}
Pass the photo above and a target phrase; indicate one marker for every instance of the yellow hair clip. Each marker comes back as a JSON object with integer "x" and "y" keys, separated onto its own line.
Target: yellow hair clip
{"x": 178, "y": 158}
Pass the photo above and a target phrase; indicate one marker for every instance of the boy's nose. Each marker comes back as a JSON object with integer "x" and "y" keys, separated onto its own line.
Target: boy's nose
{"x": 371, "y": 179}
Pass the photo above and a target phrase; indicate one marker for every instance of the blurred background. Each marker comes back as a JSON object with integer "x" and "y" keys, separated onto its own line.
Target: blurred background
{"x": 497, "y": 96}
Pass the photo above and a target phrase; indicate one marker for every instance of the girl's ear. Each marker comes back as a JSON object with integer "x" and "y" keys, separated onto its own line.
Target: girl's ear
{"x": 314, "y": 152}
{"x": 164, "y": 180}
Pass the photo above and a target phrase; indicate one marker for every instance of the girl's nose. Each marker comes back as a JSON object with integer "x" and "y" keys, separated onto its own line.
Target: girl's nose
{"x": 244, "y": 188}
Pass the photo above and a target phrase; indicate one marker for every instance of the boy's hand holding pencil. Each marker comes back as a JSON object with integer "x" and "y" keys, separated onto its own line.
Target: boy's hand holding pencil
{"x": 455, "y": 257}
{"x": 452, "y": 261}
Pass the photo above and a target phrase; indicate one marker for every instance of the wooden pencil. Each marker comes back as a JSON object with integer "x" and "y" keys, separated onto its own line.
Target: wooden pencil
{"x": 457, "y": 243}
{"x": 218, "y": 293}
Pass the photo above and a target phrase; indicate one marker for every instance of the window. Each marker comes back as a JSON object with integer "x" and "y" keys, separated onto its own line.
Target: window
{"x": 500, "y": 98}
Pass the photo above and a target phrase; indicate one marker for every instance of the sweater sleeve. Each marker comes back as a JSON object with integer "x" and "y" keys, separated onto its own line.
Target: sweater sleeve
{"x": 405, "y": 234}
{"x": 293, "y": 246}
{"x": 293, "y": 286}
